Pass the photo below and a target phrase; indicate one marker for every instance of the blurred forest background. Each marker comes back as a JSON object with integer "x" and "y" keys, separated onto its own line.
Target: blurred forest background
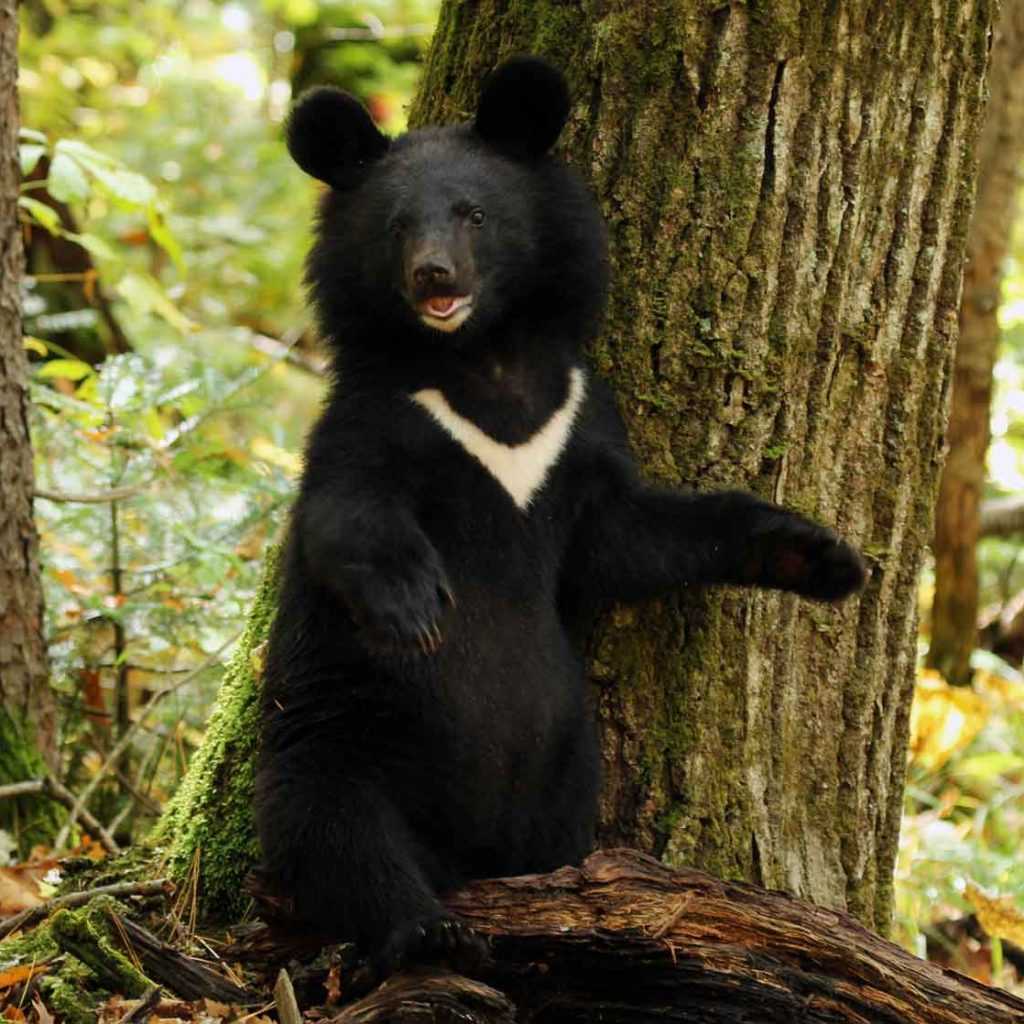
{"x": 175, "y": 374}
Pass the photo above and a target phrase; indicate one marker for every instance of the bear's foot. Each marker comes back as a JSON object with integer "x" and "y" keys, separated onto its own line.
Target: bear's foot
{"x": 431, "y": 940}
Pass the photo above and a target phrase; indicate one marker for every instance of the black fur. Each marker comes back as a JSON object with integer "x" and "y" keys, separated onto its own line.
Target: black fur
{"x": 332, "y": 137}
{"x": 523, "y": 107}
{"x": 424, "y": 719}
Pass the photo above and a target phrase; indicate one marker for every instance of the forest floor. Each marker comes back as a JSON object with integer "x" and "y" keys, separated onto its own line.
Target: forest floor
{"x": 86, "y": 941}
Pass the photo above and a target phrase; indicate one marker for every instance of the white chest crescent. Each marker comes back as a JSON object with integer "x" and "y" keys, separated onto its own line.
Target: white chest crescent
{"x": 520, "y": 468}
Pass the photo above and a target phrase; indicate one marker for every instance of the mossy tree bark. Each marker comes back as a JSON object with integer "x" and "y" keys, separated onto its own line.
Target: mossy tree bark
{"x": 954, "y": 622}
{"x": 787, "y": 189}
{"x": 27, "y": 722}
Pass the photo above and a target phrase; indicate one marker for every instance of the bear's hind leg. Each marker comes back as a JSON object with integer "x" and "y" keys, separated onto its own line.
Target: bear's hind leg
{"x": 347, "y": 859}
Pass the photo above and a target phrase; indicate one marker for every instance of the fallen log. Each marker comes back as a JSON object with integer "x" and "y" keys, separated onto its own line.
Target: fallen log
{"x": 183, "y": 975}
{"x": 625, "y": 940}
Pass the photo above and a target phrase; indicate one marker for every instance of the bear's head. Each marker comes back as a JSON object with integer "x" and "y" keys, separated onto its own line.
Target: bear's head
{"x": 447, "y": 236}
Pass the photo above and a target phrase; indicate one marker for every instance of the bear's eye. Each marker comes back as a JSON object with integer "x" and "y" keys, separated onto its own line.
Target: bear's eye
{"x": 476, "y": 216}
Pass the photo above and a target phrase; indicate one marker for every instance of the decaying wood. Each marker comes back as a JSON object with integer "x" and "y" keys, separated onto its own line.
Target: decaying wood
{"x": 183, "y": 975}
{"x": 33, "y": 915}
{"x": 288, "y": 1011}
{"x": 144, "y": 1008}
{"x": 626, "y": 940}
{"x": 430, "y": 998}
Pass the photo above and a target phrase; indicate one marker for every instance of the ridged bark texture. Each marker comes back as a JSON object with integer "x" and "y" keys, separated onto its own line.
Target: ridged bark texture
{"x": 25, "y": 698}
{"x": 787, "y": 188}
{"x": 958, "y": 513}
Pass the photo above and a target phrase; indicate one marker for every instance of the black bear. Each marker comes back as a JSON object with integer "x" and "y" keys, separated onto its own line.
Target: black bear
{"x": 468, "y": 501}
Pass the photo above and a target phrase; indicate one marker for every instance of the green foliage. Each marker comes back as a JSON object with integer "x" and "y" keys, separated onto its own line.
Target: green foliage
{"x": 965, "y": 800}
{"x": 964, "y": 811}
{"x": 166, "y": 229}
{"x": 28, "y": 820}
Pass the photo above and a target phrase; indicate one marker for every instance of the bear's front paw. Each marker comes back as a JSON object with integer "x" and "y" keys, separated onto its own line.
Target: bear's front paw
{"x": 793, "y": 553}
{"x": 403, "y": 609}
{"x": 435, "y": 939}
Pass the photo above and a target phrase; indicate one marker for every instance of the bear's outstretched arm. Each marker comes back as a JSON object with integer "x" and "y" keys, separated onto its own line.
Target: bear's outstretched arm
{"x": 637, "y": 541}
{"x": 375, "y": 558}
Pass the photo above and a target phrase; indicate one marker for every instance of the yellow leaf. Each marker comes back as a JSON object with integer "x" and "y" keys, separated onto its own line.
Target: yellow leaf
{"x": 1008, "y": 692}
{"x": 34, "y": 345}
{"x": 16, "y": 975}
{"x": 943, "y": 719}
{"x": 998, "y": 915}
{"x": 265, "y": 449}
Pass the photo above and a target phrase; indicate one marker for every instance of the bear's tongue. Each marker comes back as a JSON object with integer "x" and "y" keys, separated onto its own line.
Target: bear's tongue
{"x": 441, "y": 305}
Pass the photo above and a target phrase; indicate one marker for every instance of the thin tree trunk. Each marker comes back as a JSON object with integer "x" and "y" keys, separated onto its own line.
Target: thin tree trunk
{"x": 26, "y": 703}
{"x": 958, "y": 513}
{"x": 787, "y": 190}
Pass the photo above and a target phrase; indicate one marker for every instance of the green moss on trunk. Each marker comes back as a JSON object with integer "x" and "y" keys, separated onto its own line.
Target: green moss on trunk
{"x": 207, "y": 830}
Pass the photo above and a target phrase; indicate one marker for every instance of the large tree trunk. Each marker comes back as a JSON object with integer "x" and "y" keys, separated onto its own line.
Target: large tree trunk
{"x": 787, "y": 190}
{"x": 27, "y": 723}
{"x": 958, "y": 513}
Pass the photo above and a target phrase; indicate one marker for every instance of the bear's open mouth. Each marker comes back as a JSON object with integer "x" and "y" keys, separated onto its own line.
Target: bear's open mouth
{"x": 445, "y": 312}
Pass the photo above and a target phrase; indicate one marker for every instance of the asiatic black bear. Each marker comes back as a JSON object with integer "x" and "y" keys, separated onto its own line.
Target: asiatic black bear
{"x": 468, "y": 500}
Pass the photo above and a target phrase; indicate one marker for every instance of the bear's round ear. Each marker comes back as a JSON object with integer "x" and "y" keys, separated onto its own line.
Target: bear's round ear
{"x": 524, "y": 104}
{"x": 331, "y": 136}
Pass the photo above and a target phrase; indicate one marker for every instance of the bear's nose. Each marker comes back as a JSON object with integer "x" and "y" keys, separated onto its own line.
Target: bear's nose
{"x": 435, "y": 270}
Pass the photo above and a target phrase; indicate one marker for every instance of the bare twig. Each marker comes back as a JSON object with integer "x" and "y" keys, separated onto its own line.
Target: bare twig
{"x": 50, "y": 787}
{"x": 1002, "y": 516}
{"x": 94, "y": 497}
{"x": 115, "y": 822}
{"x": 255, "y": 1013}
{"x": 63, "y": 795}
{"x": 146, "y": 1003}
{"x": 377, "y": 31}
{"x": 122, "y": 719}
{"x": 291, "y": 354}
{"x": 123, "y": 743}
{"x": 150, "y": 887}
{"x": 131, "y": 788}
{"x": 22, "y": 788}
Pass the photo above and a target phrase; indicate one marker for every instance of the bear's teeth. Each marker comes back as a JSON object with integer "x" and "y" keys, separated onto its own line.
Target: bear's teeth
{"x": 444, "y": 306}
